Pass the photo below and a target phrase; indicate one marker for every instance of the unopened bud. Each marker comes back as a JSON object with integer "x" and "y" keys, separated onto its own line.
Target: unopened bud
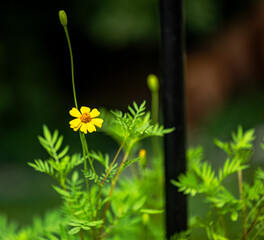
{"x": 145, "y": 218}
{"x": 153, "y": 82}
{"x": 63, "y": 18}
{"x": 143, "y": 158}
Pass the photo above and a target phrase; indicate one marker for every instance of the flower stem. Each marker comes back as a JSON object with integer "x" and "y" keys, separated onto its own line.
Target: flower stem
{"x": 85, "y": 170}
{"x": 85, "y": 145}
{"x": 85, "y": 156}
{"x": 72, "y": 68}
{"x": 155, "y": 106}
{"x": 155, "y": 119}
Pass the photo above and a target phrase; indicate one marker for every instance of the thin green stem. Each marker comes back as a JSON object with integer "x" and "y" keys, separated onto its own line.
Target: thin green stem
{"x": 255, "y": 207}
{"x": 106, "y": 175}
{"x": 88, "y": 155}
{"x": 243, "y": 209}
{"x": 254, "y": 221}
{"x": 112, "y": 190}
{"x": 85, "y": 156}
{"x": 85, "y": 170}
{"x": 155, "y": 106}
{"x": 113, "y": 162}
{"x": 82, "y": 137}
{"x": 257, "y": 233}
{"x": 70, "y": 203}
{"x": 72, "y": 67}
{"x": 155, "y": 119}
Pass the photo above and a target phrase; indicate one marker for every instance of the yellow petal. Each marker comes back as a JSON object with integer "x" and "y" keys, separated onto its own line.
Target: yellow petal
{"x": 94, "y": 113}
{"x": 76, "y": 128}
{"x": 91, "y": 127}
{"x": 85, "y": 110}
{"x": 75, "y": 112}
{"x": 75, "y": 122}
{"x": 84, "y": 128}
{"x": 97, "y": 122}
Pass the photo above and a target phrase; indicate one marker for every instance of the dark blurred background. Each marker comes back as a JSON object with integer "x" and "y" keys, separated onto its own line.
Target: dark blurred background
{"x": 116, "y": 44}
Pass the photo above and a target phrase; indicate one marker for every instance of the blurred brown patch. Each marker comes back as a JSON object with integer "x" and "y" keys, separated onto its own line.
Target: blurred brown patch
{"x": 232, "y": 61}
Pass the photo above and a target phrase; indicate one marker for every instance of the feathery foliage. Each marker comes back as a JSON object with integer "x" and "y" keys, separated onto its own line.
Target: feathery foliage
{"x": 200, "y": 178}
{"x": 91, "y": 206}
{"x": 134, "y": 125}
{"x": 60, "y": 164}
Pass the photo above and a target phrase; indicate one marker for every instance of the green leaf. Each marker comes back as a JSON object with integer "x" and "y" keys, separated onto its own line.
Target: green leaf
{"x": 44, "y": 143}
{"x": 63, "y": 152}
{"x": 107, "y": 199}
{"x": 41, "y": 166}
{"x": 223, "y": 146}
{"x": 136, "y": 106}
{"x": 152, "y": 211}
{"x": 139, "y": 203}
{"x": 75, "y": 176}
{"x": 129, "y": 162}
{"x": 51, "y": 236}
{"x": 187, "y": 183}
{"x": 59, "y": 142}
{"x": 63, "y": 233}
{"x": 95, "y": 223}
{"x": 61, "y": 191}
{"x": 55, "y": 137}
{"x": 74, "y": 230}
{"x": 131, "y": 110}
{"x": 47, "y": 133}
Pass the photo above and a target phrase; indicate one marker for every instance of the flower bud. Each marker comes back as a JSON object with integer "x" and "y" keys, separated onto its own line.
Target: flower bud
{"x": 145, "y": 218}
{"x": 63, "y": 18}
{"x": 153, "y": 82}
{"x": 143, "y": 158}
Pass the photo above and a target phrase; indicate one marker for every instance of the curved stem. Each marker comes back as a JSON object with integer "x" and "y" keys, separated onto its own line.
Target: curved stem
{"x": 72, "y": 68}
{"x": 82, "y": 137}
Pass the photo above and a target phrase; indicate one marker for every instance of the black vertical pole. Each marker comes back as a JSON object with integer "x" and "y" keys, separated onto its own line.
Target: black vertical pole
{"x": 174, "y": 110}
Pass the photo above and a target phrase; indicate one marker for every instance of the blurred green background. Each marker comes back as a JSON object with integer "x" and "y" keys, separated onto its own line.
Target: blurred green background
{"x": 116, "y": 44}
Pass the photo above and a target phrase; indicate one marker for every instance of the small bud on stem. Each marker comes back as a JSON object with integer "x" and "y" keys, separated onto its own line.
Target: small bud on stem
{"x": 63, "y": 18}
{"x": 143, "y": 158}
{"x": 153, "y": 83}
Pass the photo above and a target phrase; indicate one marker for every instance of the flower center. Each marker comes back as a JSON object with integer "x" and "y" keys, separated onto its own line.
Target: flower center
{"x": 85, "y": 118}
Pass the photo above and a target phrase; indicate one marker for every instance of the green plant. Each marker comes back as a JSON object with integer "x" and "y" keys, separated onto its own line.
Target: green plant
{"x": 244, "y": 210}
{"x": 97, "y": 203}
{"x": 46, "y": 227}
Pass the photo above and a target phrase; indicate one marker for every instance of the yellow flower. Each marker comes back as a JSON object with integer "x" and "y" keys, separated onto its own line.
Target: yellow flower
{"x": 86, "y": 120}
